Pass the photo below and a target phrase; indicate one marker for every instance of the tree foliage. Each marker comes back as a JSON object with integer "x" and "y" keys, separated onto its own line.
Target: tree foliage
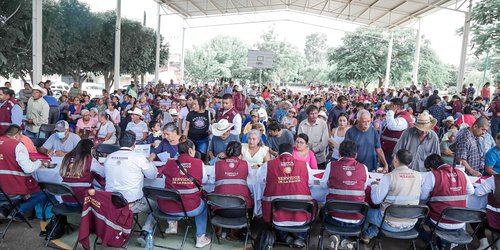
{"x": 315, "y": 48}
{"x": 222, "y": 56}
{"x": 485, "y": 26}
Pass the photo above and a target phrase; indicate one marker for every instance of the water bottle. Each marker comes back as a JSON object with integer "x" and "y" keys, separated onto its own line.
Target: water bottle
{"x": 149, "y": 241}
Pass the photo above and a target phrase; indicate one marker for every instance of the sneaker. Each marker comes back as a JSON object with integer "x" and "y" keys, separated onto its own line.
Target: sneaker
{"x": 453, "y": 245}
{"x": 289, "y": 240}
{"x": 4, "y": 213}
{"x": 365, "y": 239}
{"x": 346, "y": 244}
{"x": 141, "y": 240}
{"x": 483, "y": 244}
{"x": 299, "y": 242}
{"x": 172, "y": 228}
{"x": 15, "y": 216}
{"x": 202, "y": 241}
{"x": 334, "y": 242}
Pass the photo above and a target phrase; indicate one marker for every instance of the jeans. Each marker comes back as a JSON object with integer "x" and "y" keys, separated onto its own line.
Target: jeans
{"x": 142, "y": 206}
{"x": 495, "y": 123}
{"x": 200, "y": 218}
{"x": 427, "y": 237}
{"x": 281, "y": 235}
{"x": 338, "y": 223}
{"x": 29, "y": 204}
{"x": 375, "y": 219}
{"x": 201, "y": 145}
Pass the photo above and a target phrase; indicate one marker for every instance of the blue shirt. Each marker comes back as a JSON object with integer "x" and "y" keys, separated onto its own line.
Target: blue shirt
{"x": 52, "y": 101}
{"x": 367, "y": 142}
{"x": 493, "y": 159}
{"x": 279, "y": 114}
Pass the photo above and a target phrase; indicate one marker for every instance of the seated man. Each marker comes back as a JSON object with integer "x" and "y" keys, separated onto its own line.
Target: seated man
{"x": 15, "y": 172}
{"x": 445, "y": 187}
{"x": 221, "y": 137}
{"x": 286, "y": 178}
{"x": 277, "y": 136}
{"x": 346, "y": 180}
{"x": 402, "y": 187}
{"x": 124, "y": 171}
{"x": 60, "y": 142}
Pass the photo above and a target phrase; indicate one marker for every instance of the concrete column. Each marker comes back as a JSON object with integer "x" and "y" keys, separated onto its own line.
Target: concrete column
{"x": 182, "y": 56}
{"x": 463, "y": 54}
{"x": 37, "y": 41}
{"x": 158, "y": 40}
{"x": 417, "y": 56}
{"x": 117, "y": 43}
{"x": 388, "y": 66}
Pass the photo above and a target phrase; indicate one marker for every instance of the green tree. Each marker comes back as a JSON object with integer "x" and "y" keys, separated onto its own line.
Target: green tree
{"x": 287, "y": 59}
{"x": 315, "y": 48}
{"x": 485, "y": 26}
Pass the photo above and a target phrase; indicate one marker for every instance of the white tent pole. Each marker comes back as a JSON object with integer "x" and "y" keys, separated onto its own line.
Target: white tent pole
{"x": 37, "y": 41}
{"x": 158, "y": 40}
{"x": 417, "y": 55}
{"x": 388, "y": 66}
{"x": 117, "y": 44}
{"x": 463, "y": 54}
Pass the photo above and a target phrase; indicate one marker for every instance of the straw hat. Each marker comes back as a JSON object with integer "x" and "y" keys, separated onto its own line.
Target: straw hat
{"x": 221, "y": 127}
{"x": 42, "y": 90}
{"x": 173, "y": 112}
{"x": 323, "y": 114}
{"x": 136, "y": 111}
{"x": 449, "y": 119}
{"x": 425, "y": 122}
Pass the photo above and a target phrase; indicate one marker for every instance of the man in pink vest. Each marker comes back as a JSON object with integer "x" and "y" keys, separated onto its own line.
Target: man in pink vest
{"x": 15, "y": 172}
{"x": 285, "y": 178}
{"x": 444, "y": 187}
{"x": 491, "y": 187}
{"x": 229, "y": 112}
{"x": 239, "y": 100}
{"x": 346, "y": 180}
{"x": 397, "y": 121}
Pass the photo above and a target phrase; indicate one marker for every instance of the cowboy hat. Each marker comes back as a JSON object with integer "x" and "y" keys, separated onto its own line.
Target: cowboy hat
{"x": 136, "y": 111}
{"x": 448, "y": 119}
{"x": 425, "y": 122}
{"x": 239, "y": 88}
{"x": 173, "y": 112}
{"x": 323, "y": 114}
{"x": 42, "y": 90}
{"x": 166, "y": 93}
{"x": 182, "y": 97}
{"x": 221, "y": 127}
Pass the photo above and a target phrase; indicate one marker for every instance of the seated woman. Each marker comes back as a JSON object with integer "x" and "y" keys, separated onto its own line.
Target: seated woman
{"x": 289, "y": 121}
{"x": 257, "y": 126}
{"x": 302, "y": 152}
{"x": 113, "y": 112}
{"x": 254, "y": 152}
{"x": 74, "y": 111}
{"x": 85, "y": 126}
{"x": 254, "y": 116}
{"x": 231, "y": 178}
{"x": 176, "y": 177}
{"x": 106, "y": 131}
{"x": 169, "y": 144}
{"x": 78, "y": 169}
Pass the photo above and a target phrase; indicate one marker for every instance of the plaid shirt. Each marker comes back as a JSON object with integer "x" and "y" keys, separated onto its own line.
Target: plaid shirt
{"x": 467, "y": 147}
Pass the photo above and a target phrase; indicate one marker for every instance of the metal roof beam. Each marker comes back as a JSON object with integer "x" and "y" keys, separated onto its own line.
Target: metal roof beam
{"x": 416, "y": 13}
{"x": 366, "y": 9}
{"x": 388, "y": 12}
{"x": 345, "y": 6}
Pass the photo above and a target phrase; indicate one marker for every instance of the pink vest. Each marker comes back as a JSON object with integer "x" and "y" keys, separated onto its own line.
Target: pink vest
{"x": 13, "y": 180}
{"x": 231, "y": 178}
{"x": 79, "y": 184}
{"x": 5, "y": 116}
{"x": 449, "y": 191}
{"x": 347, "y": 183}
{"x": 229, "y": 115}
{"x": 287, "y": 178}
{"x": 239, "y": 102}
{"x": 389, "y": 138}
{"x": 175, "y": 179}
{"x": 493, "y": 207}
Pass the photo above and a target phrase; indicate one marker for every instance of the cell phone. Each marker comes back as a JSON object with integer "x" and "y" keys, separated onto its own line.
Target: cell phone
{"x": 52, "y": 165}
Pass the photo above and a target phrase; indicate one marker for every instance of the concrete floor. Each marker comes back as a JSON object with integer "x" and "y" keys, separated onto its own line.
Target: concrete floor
{"x": 20, "y": 236}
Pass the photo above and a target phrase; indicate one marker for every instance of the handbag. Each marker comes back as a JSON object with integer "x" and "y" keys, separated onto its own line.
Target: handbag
{"x": 192, "y": 179}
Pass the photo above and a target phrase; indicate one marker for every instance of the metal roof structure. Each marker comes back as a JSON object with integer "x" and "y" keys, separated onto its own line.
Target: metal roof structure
{"x": 387, "y": 14}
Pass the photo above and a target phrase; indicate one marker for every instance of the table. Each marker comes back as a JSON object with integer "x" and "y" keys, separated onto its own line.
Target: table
{"x": 318, "y": 193}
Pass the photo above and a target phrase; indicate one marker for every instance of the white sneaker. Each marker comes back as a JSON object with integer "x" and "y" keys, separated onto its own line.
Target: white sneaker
{"x": 453, "y": 245}
{"x": 346, "y": 244}
{"x": 202, "y": 241}
{"x": 334, "y": 242}
{"x": 483, "y": 244}
{"x": 172, "y": 228}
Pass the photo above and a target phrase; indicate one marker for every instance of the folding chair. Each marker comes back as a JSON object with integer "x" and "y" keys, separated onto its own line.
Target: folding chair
{"x": 494, "y": 241}
{"x": 62, "y": 209}
{"x": 38, "y": 142}
{"x": 46, "y": 130}
{"x": 156, "y": 194}
{"x": 294, "y": 206}
{"x": 461, "y": 215}
{"x": 228, "y": 211}
{"x": 403, "y": 212}
{"x": 13, "y": 202}
{"x": 118, "y": 201}
{"x": 118, "y": 134}
{"x": 348, "y": 207}
{"x": 105, "y": 149}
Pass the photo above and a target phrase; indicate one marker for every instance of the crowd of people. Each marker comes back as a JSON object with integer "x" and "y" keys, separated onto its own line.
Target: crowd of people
{"x": 427, "y": 144}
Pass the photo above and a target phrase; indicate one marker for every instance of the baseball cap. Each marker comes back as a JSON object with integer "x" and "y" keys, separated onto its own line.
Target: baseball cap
{"x": 61, "y": 126}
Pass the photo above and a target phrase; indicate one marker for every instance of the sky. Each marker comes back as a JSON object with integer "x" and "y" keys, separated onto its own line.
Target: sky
{"x": 439, "y": 27}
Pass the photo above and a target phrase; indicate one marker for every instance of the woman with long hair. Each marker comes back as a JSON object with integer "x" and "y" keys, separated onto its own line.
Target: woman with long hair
{"x": 197, "y": 125}
{"x": 78, "y": 170}
{"x": 178, "y": 174}
{"x": 338, "y": 135}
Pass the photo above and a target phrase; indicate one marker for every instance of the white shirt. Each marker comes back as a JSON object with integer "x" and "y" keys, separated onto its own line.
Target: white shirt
{"x": 183, "y": 115}
{"x": 138, "y": 129}
{"x": 428, "y": 183}
{"x": 487, "y": 186}
{"x": 237, "y": 125}
{"x": 114, "y": 115}
{"x": 23, "y": 159}
{"x": 261, "y": 180}
{"x": 395, "y": 124}
{"x": 125, "y": 171}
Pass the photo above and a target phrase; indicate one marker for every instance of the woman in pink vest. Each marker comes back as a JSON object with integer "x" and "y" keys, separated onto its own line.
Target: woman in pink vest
{"x": 177, "y": 179}
{"x": 491, "y": 187}
{"x": 231, "y": 178}
{"x": 78, "y": 169}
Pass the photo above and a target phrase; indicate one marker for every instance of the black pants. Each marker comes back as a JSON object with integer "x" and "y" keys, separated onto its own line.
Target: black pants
{"x": 53, "y": 114}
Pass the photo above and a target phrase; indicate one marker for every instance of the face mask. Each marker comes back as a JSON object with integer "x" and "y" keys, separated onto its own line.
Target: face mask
{"x": 61, "y": 135}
